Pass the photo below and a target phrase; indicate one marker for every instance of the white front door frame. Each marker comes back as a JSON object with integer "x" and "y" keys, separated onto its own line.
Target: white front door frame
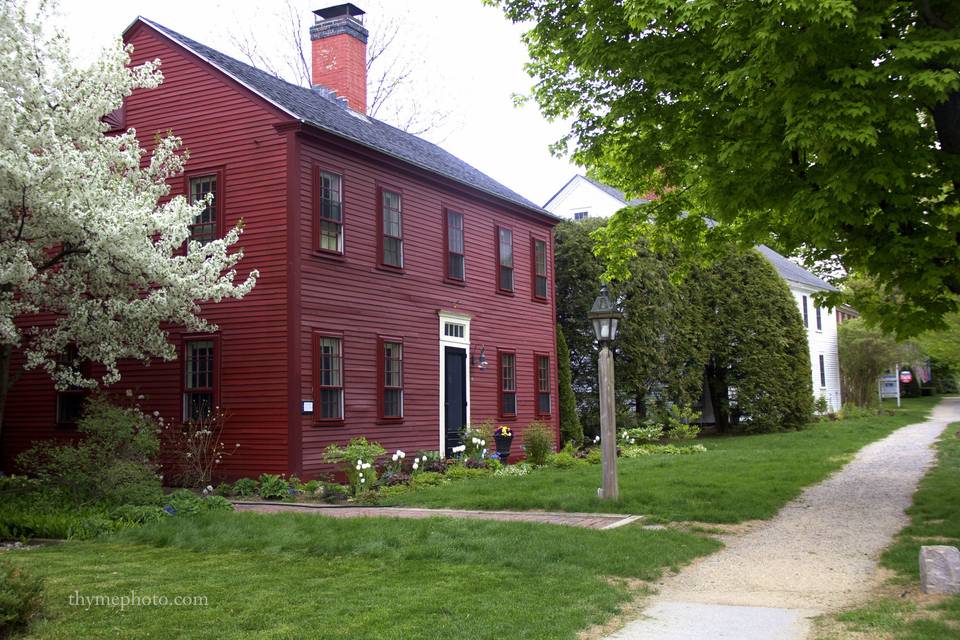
{"x": 460, "y": 342}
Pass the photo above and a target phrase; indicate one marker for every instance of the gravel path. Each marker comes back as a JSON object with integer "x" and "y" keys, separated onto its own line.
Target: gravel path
{"x": 818, "y": 554}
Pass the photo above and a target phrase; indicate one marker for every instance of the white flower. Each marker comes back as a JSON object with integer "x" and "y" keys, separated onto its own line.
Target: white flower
{"x": 394, "y": 457}
{"x": 415, "y": 466}
{"x": 366, "y": 465}
{"x": 156, "y": 414}
{"x": 217, "y": 461}
{"x": 483, "y": 443}
{"x": 209, "y": 488}
{"x": 359, "y": 466}
{"x": 362, "y": 480}
{"x": 359, "y": 461}
{"x": 401, "y": 454}
{"x": 238, "y": 444}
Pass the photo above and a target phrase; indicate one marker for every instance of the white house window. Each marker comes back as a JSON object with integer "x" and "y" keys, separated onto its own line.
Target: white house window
{"x": 453, "y": 330}
{"x": 581, "y": 215}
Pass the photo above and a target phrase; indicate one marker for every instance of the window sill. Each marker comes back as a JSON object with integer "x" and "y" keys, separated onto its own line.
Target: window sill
{"x": 328, "y": 423}
{"x": 329, "y": 255}
{"x": 454, "y": 282}
{"x": 507, "y": 418}
{"x": 504, "y": 292}
{"x": 389, "y": 420}
{"x": 539, "y": 300}
{"x": 385, "y": 268}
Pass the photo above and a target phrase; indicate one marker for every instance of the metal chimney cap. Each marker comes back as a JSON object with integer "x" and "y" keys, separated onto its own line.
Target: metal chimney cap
{"x": 339, "y": 11}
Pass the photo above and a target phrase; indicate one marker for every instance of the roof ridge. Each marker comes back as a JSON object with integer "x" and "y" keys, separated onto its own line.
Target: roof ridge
{"x": 305, "y": 105}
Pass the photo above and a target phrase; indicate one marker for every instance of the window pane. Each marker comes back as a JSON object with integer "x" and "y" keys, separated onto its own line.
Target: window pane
{"x": 199, "y": 405}
{"x": 454, "y": 232}
{"x": 392, "y": 359}
{"x": 200, "y": 364}
{"x": 393, "y": 252}
{"x": 455, "y": 266}
{"x": 506, "y": 278}
{"x": 69, "y": 407}
{"x": 506, "y": 248}
{"x": 540, "y": 287}
{"x": 540, "y": 251}
{"x": 330, "y": 202}
{"x": 509, "y": 403}
{"x": 543, "y": 403}
{"x": 330, "y": 363}
{"x": 331, "y": 404}
{"x": 204, "y": 225}
{"x": 393, "y": 403}
{"x": 331, "y": 236}
{"x": 543, "y": 373}
{"x": 507, "y": 372}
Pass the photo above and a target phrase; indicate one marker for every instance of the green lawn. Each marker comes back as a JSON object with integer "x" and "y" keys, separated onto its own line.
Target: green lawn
{"x": 738, "y": 478}
{"x": 304, "y": 576}
{"x": 935, "y": 519}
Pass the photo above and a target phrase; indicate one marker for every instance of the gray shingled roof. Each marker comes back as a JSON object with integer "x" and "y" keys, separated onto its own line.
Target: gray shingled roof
{"x": 319, "y": 111}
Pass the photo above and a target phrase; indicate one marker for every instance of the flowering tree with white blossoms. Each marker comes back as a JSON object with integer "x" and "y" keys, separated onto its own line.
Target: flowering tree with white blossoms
{"x": 90, "y": 260}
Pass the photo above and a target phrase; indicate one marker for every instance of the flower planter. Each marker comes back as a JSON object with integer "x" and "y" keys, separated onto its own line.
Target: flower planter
{"x": 503, "y": 447}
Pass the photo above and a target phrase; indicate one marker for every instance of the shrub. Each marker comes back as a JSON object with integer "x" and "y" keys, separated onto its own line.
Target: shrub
{"x": 537, "y": 443}
{"x": 224, "y": 489}
{"x": 272, "y": 487}
{"x": 649, "y": 432}
{"x": 570, "y": 428}
{"x": 428, "y": 479}
{"x": 594, "y": 456}
{"x": 358, "y": 457}
{"x": 112, "y": 463}
{"x": 245, "y": 488}
{"x": 820, "y": 406}
{"x": 217, "y": 503}
{"x": 460, "y": 472}
{"x": 851, "y": 411}
{"x": 311, "y": 486}
{"x": 563, "y": 460}
{"x": 661, "y": 449}
{"x": 198, "y": 448}
{"x": 334, "y": 492}
{"x": 21, "y": 597}
{"x": 475, "y": 437}
{"x": 184, "y": 502}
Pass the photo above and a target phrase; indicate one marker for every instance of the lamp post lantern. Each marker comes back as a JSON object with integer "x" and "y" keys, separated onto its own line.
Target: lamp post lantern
{"x": 605, "y": 318}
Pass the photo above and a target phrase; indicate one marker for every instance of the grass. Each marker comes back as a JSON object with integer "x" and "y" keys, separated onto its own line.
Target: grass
{"x": 739, "y": 478}
{"x": 934, "y": 519}
{"x": 299, "y": 575}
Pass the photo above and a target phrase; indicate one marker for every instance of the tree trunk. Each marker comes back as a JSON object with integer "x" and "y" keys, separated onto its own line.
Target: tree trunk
{"x": 6, "y": 355}
{"x": 717, "y": 383}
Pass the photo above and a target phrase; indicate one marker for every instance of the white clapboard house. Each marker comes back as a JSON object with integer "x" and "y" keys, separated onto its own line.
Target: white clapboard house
{"x": 582, "y": 198}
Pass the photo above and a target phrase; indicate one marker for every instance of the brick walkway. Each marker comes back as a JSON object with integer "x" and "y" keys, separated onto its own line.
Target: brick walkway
{"x": 585, "y": 520}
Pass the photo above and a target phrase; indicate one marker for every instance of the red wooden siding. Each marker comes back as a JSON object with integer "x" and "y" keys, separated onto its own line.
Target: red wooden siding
{"x": 353, "y": 296}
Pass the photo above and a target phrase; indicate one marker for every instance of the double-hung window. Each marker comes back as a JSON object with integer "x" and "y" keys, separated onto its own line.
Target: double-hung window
{"x": 455, "y": 251}
{"x": 199, "y": 388}
{"x": 507, "y": 365}
{"x": 504, "y": 259}
{"x": 206, "y": 189}
{"x": 329, "y": 378}
{"x": 330, "y": 211}
{"x": 823, "y": 373}
{"x": 806, "y": 314}
{"x": 816, "y": 310}
{"x": 539, "y": 269}
{"x": 542, "y": 379}
{"x": 391, "y": 379}
{"x": 70, "y": 400}
{"x": 391, "y": 229}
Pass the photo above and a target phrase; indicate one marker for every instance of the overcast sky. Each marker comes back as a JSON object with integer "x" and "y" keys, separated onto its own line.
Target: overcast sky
{"x": 467, "y": 58}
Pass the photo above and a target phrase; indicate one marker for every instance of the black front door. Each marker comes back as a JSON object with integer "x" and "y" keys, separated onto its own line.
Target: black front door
{"x": 455, "y": 395}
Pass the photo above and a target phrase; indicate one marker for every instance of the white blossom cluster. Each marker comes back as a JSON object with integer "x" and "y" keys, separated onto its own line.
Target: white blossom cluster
{"x": 84, "y": 239}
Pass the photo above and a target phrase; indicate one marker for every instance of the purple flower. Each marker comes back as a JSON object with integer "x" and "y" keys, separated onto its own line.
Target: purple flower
{"x": 170, "y": 511}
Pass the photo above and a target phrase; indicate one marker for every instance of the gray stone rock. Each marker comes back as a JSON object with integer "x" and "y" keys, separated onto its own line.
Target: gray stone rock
{"x": 940, "y": 569}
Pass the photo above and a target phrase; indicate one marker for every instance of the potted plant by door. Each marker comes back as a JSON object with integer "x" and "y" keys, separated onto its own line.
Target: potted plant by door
{"x": 503, "y": 436}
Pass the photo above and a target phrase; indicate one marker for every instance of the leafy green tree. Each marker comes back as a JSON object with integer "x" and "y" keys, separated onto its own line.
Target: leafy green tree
{"x": 757, "y": 346}
{"x": 829, "y": 128}
{"x": 570, "y": 428}
{"x": 866, "y": 352}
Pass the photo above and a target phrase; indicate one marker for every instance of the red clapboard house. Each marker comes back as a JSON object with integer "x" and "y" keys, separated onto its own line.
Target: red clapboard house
{"x": 402, "y": 293}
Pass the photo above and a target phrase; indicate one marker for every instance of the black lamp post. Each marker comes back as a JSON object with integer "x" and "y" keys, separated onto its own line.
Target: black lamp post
{"x": 606, "y": 318}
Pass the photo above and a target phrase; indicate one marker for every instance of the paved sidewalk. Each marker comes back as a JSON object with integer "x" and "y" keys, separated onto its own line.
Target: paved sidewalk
{"x": 818, "y": 555}
{"x": 584, "y": 520}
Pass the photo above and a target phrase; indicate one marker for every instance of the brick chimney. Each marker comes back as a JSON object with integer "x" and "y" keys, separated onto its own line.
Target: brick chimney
{"x": 339, "y": 53}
